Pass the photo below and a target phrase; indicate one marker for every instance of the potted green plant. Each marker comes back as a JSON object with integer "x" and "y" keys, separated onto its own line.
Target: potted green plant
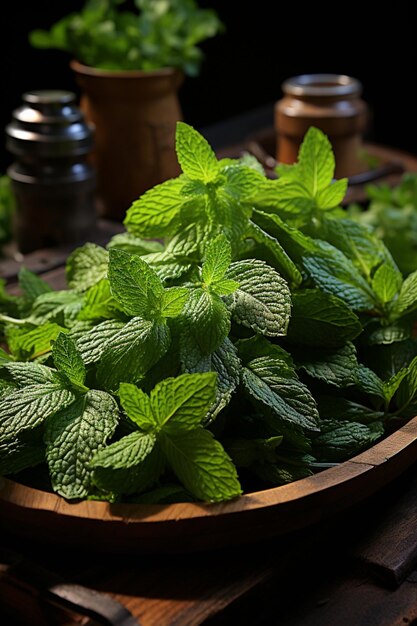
{"x": 130, "y": 65}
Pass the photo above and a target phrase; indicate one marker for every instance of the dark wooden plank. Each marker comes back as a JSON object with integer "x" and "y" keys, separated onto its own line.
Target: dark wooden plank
{"x": 348, "y": 601}
{"x": 390, "y": 550}
{"x": 47, "y": 259}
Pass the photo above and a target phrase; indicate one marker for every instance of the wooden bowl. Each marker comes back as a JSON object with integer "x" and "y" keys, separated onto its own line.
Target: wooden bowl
{"x": 184, "y": 527}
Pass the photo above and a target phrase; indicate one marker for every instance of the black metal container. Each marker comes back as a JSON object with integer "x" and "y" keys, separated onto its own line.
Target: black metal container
{"x": 52, "y": 178}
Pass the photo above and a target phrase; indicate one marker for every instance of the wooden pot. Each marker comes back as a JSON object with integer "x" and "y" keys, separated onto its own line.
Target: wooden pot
{"x": 134, "y": 114}
{"x": 183, "y": 527}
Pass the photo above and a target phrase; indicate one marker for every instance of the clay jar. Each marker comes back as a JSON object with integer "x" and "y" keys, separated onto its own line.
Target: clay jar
{"x": 330, "y": 102}
{"x": 134, "y": 114}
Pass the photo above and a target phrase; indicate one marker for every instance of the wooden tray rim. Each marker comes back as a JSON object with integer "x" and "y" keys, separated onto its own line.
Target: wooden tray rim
{"x": 401, "y": 440}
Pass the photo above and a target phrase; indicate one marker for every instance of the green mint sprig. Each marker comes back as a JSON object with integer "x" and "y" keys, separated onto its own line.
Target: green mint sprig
{"x": 169, "y": 433}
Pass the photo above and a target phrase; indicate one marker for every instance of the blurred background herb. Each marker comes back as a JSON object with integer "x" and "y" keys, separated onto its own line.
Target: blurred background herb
{"x": 7, "y": 208}
{"x": 160, "y": 33}
{"x": 392, "y": 212}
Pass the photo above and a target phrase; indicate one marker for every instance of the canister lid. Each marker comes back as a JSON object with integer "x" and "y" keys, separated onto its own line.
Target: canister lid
{"x": 49, "y": 124}
{"x": 330, "y": 85}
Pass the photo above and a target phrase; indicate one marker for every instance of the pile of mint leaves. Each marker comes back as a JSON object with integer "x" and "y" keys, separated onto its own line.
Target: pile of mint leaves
{"x": 242, "y": 333}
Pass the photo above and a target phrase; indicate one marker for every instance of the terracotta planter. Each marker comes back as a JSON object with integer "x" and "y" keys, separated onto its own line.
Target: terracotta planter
{"x": 134, "y": 114}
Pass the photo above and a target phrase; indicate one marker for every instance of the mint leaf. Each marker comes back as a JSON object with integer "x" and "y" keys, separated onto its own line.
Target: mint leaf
{"x": 99, "y": 303}
{"x": 166, "y": 269}
{"x": 278, "y": 392}
{"x": 245, "y": 452}
{"x": 86, "y": 266}
{"x": 135, "y": 478}
{"x": 225, "y": 287}
{"x": 225, "y": 213}
{"x": 173, "y": 301}
{"x": 127, "y": 452}
{"x": 24, "y": 410}
{"x": 392, "y": 214}
{"x": 368, "y": 382}
{"x": 295, "y": 243}
{"x": 26, "y": 374}
{"x": 17, "y": 455}
{"x": 251, "y": 162}
{"x": 359, "y": 244}
{"x": 386, "y": 283}
{"x": 241, "y": 181}
{"x": 295, "y": 201}
{"x": 392, "y": 385}
{"x": 284, "y": 470}
{"x": 195, "y": 155}
{"x": 407, "y": 299}
{"x": 218, "y": 256}
{"x": 335, "y": 274}
{"x": 61, "y": 307}
{"x": 31, "y": 284}
{"x": 30, "y": 343}
{"x": 276, "y": 255}
{"x": 134, "y": 245}
{"x": 137, "y": 405}
{"x": 180, "y": 404}
{"x": 184, "y": 245}
{"x": 290, "y": 197}
{"x": 332, "y": 196}
{"x": 257, "y": 346}
{"x": 375, "y": 334}
{"x": 308, "y": 185}
{"x": 321, "y": 319}
{"x": 334, "y": 367}
{"x": 68, "y": 360}
{"x": 226, "y": 364}
{"x": 408, "y": 387}
{"x": 316, "y": 161}
{"x": 202, "y": 465}
{"x": 130, "y": 353}
{"x": 338, "y": 441}
{"x": 135, "y": 285}
{"x": 93, "y": 343}
{"x": 205, "y": 321}
{"x": 263, "y": 300}
{"x": 157, "y": 212}
{"x": 5, "y": 356}
{"x": 73, "y": 436}
{"x": 341, "y": 409}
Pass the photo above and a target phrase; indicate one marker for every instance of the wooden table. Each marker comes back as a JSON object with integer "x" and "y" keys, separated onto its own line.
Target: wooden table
{"x": 356, "y": 569}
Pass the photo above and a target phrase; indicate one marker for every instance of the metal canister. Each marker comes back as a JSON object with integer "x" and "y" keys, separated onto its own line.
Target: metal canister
{"x": 52, "y": 178}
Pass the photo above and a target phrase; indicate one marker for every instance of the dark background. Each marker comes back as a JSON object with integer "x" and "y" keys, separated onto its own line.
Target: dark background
{"x": 264, "y": 43}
